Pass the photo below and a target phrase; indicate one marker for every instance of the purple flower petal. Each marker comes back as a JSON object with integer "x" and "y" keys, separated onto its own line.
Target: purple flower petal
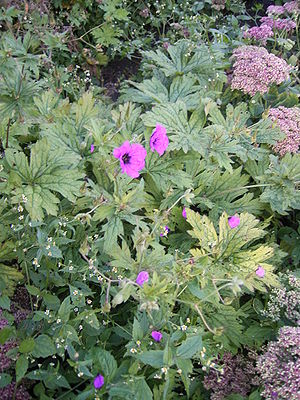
{"x": 233, "y": 221}
{"x": 260, "y": 272}
{"x": 159, "y": 140}
{"x": 184, "y": 212}
{"x": 165, "y": 232}
{"x": 99, "y": 381}
{"x": 92, "y": 148}
{"x": 157, "y": 336}
{"x": 142, "y": 277}
{"x": 132, "y": 158}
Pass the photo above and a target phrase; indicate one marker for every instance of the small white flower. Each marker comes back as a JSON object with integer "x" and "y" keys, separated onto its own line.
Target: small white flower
{"x": 164, "y": 370}
{"x": 133, "y": 350}
{"x": 183, "y": 328}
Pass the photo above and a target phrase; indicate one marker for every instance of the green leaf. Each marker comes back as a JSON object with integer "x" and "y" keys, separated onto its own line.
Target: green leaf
{"x": 47, "y": 172}
{"x": 21, "y": 367}
{"x": 27, "y": 345}
{"x": 11, "y": 276}
{"x": 106, "y": 363}
{"x": 141, "y": 390}
{"x": 282, "y": 187}
{"x": 179, "y": 62}
{"x": 137, "y": 332}
{"x": 153, "y": 358}
{"x": 107, "y": 35}
{"x": 5, "y": 302}
{"x": 191, "y": 346}
{"x": 5, "y": 333}
{"x": 65, "y": 309}
{"x": 52, "y": 302}
{"x": 43, "y": 347}
{"x": 5, "y": 380}
{"x": 112, "y": 230}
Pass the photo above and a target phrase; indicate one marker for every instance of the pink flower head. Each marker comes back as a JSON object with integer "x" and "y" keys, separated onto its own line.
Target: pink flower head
{"x": 288, "y": 120}
{"x": 92, "y": 148}
{"x": 99, "y": 382}
{"x": 132, "y": 158}
{"x": 142, "y": 277}
{"x": 275, "y": 10}
{"x": 255, "y": 70}
{"x": 233, "y": 221}
{"x": 279, "y": 23}
{"x": 157, "y": 336}
{"x": 292, "y": 6}
{"x": 165, "y": 232}
{"x": 159, "y": 140}
{"x": 260, "y": 272}
{"x": 184, "y": 212}
{"x": 260, "y": 33}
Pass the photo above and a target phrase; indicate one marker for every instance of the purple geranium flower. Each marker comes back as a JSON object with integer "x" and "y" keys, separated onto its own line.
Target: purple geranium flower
{"x": 184, "y": 212}
{"x": 159, "y": 140}
{"x": 99, "y": 382}
{"x": 142, "y": 277}
{"x": 157, "y": 336}
{"x": 260, "y": 271}
{"x": 92, "y": 148}
{"x": 233, "y": 221}
{"x": 132, "y": 158}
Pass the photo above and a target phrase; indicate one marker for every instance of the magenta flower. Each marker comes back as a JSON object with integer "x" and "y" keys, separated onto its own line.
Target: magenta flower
{"x": 260, "y": 272}
{"x": 132, "y": 158}
{"x": 159, "y": 140}
{"x": 157, "y": 336}
{"x": 165, "y": 232}
{"x": 142, "y": 277}
{"x": 92, "y": 148}
{"x": 233, "y": 221}
{"x": 99, "y": 382}
{"x": 184, "y": 212}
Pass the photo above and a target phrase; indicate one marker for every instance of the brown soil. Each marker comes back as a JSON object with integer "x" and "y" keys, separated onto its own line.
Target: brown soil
{"x": 116, "y": 72}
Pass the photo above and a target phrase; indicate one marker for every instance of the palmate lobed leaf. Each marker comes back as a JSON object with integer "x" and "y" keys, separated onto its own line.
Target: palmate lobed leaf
{"x": 47, "y": 172}
{"x": 232, "y": 253}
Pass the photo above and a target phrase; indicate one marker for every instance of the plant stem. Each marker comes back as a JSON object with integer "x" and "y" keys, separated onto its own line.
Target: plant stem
{"x": 204, "y": 321}
{"x": 7, "y": 132}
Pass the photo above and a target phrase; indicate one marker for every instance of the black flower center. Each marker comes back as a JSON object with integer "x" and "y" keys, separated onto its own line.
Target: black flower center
{"x": 126, "y": 158}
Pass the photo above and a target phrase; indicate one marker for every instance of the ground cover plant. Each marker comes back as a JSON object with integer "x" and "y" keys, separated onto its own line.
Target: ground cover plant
{"x": 149, "y": 243}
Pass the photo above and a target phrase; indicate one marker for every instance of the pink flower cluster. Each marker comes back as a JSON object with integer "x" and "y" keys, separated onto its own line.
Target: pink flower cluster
{"x": 284, "y": 302}
{"x": 238, "y": 376}
{"x": 5, "y": 361}
{"x": 10, "y": 392}
{"x": 255, "y": 70}
{"x": 292, "y": 6}
{"x": 279, "y": 366}
{"x": 288, "y": 120}
{"x": 260, "y": 33}
{"x": 275, "y": 10}
{"x": 279, "y": 24}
